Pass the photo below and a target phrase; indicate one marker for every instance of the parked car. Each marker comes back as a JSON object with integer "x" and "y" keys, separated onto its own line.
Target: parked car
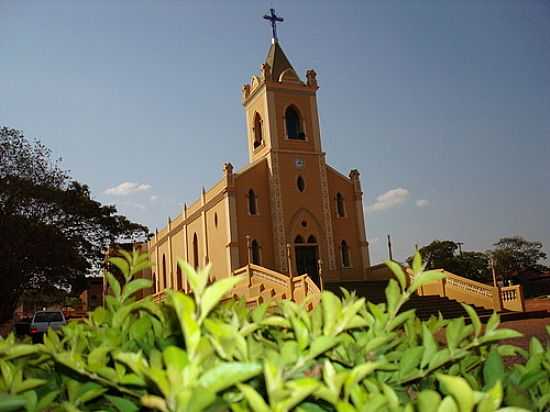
{"x": 43, "y": 320}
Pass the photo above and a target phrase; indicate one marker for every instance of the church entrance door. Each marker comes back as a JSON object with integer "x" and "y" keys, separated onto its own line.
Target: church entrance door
{"x": 306, "y": 261}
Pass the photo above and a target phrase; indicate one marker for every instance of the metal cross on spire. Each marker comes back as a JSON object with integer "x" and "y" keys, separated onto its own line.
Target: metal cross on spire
{"x": 273, "y": 18}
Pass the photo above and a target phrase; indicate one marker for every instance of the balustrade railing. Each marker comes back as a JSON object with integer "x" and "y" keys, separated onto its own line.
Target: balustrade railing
{"x": 474, "y": 293}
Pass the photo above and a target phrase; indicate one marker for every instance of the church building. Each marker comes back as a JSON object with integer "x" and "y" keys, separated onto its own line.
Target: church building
{"x": 287, "y": 210}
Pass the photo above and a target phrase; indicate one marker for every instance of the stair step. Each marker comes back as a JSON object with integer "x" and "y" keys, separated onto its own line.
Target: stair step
{"x": 425, "y": 306}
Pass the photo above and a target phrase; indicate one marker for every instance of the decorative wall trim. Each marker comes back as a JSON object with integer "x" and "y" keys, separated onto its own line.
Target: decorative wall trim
{"x": 325, "y": 199}
{"x": 279, "y": 236}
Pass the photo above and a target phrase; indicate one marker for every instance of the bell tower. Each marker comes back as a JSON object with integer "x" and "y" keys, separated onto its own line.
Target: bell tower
{"x": 281, "y": 109}
{"x": 282, "y": 124}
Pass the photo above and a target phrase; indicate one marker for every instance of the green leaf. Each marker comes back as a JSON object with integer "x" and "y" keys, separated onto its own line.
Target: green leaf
{"x": 322, "y": 344}
{"x": 228, "y": 374}
{"x": 132, "y": 287}
{"x": 400, "y": 319}
{"x": 253, "y": 398}
{"x": 185, "y": 311}
{"x": 113, "y": 284}
{"x": 344, "y": 407}
{"x": 430, "y": 346}
{"x": 100, "y": 315}
{"x": 358, "y": 373}
{"x": 46, "y": 400}
{"x": 19, "y": 350}
{"x": 492, "y": 399}
{"x": 213, "y": 294}
{"x": 332, "y": 309}
{"x": 493, "y": 370}
{"x": 535, "y": 347}
{"x": 29, "y": 384}
{"x": 122, "y": 264}
{"x": 440, "y": 358}
{"x": 122, "y": 404}
{"x": 448, "y": 405}
{"x": 410, "y": 360}
{"x": 454, "y": 332}
{"x": 398, "y": 272}
{"x": 493, "y": 322}
{"x": 197, "y": 281}
{"x": 459, "y": 389}
{"x": 10, "y": 403}
{"x": 300, "y": 332}
{"x": 417, "y": 263}
{"x": 299, "y": 390}
{"x": 500, "y": 334}
{"x": 426, "y": 277}
{"x": 428, "y": 401}
{"x": 474, "y": 318}
{"x": 393, "y": 295}
{"x": 154, "y": 402}
{"x": 90, "y": 391}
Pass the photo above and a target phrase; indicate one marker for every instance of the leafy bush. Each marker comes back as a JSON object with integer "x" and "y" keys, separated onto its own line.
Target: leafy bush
{"x": 194, "y": 353}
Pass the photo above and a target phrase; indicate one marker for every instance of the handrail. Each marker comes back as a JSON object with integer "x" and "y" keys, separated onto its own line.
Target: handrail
{"x": 466, "y": 280}
{"x": 269, "y": 272}
{"x": 473, "y": 292}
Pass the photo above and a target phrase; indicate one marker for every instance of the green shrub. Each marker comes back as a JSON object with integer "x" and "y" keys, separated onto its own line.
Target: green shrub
{"x": 192, "y": 353}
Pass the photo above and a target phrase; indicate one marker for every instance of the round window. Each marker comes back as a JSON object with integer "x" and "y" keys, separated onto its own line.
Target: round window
{"x": 301, "y": 184}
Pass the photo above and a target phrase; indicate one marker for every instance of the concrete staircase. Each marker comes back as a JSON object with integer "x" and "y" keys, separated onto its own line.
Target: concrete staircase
{"x": 425, "y": 305}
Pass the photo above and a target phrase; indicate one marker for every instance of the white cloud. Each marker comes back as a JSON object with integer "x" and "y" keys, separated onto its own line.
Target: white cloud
{"x": 422, "y": 203}
{"x": 132, "y": 205}
{"x": 391, "y": 198}
{"x": 126, "y": 188}
{"x": 154, "y": 198}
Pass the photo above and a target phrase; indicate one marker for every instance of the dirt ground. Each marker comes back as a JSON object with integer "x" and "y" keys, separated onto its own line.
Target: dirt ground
{"x": 531, "y": 327}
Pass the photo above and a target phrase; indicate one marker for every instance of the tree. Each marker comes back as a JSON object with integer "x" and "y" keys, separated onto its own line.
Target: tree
{"x": 53, "y": 232}
{"x": 513, "y": 255}
{"x": 438, "y": 254}
{"x": 443, "y": 254}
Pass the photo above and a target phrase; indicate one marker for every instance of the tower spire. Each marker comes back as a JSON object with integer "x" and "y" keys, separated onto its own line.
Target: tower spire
{"x": 273, "y": 18}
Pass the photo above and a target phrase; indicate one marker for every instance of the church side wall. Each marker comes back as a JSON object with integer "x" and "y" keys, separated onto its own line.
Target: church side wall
{"x": 345, "y": 228}
{"x": 258, "y": 227}
{"x": 175, "y": 241}
{"x": 217, "y": 239}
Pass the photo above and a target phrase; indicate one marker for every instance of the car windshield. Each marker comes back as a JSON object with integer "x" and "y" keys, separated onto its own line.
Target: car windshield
{"x": 48, "y": 317}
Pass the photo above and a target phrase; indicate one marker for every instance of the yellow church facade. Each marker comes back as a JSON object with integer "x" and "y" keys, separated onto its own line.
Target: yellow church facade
{"x": 287, "y": 210}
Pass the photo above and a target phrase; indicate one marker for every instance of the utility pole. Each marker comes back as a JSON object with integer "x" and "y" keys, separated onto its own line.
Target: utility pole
{"x": 390, "y": 254}
{"x": 492, "y": 265}
{"x": 460, "y": 247}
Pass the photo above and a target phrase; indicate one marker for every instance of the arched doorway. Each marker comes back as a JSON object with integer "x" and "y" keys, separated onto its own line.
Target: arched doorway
{"x": 307, "y": 256}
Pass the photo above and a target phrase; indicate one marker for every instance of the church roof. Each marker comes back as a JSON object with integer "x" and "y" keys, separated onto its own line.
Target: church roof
{"x": 277, "y": 60}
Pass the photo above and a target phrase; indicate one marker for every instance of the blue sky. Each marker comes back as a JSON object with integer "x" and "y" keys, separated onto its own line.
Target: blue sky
{"x": 443, "y": 106}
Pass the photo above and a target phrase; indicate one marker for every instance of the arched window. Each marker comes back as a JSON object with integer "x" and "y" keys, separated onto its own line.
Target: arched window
{"x": 195, "y": 251}
{"x": 258, "y": 137}
{"x": 344, "y": 248}
{"x": 300, "y": 183}
{"x": 179, "y": 279}
{"x": 154, "y": 283}
{"x": 299, "y": 239}
{"x": 252, "y": 209}
{"x": 311, "y": 239}
{"x": 164, "y": 285}
{"x": 340, "y": 210}
{"x": 293, "y": 123}
{"x": 255, "y": 246}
